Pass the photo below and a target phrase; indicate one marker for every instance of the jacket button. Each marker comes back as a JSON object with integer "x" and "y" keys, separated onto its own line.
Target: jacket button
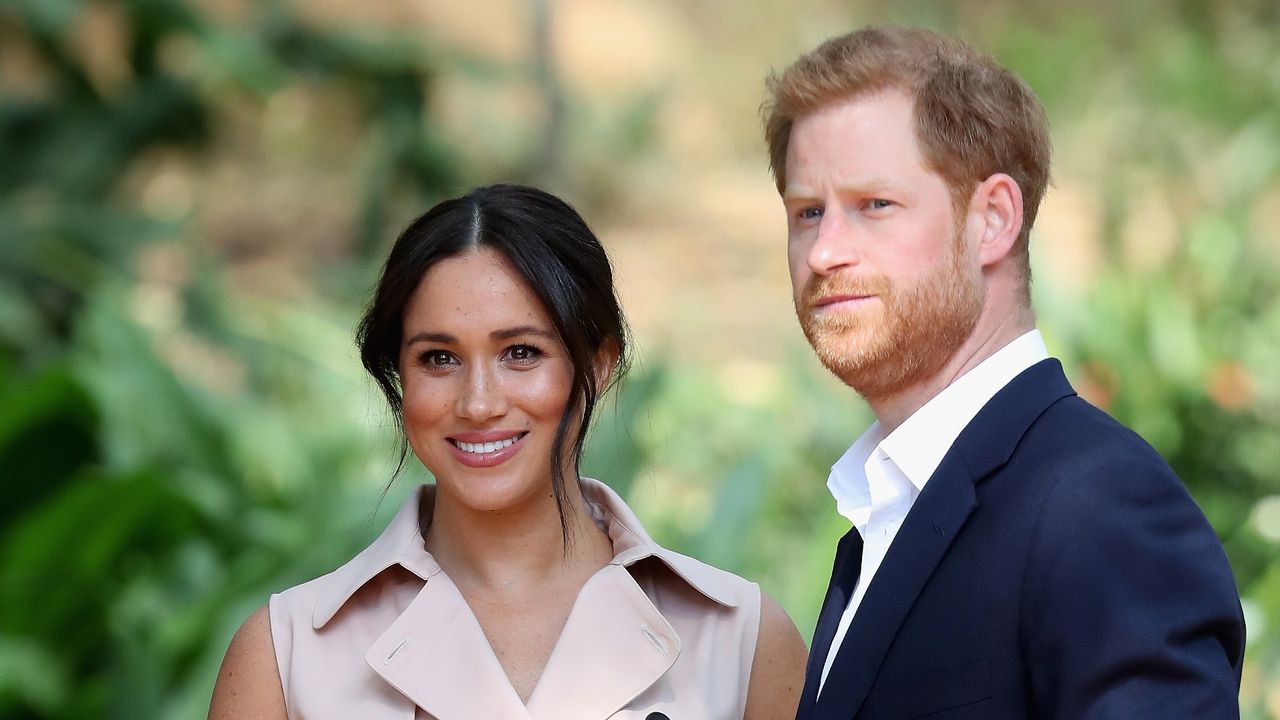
{"x": 656, "y": 716}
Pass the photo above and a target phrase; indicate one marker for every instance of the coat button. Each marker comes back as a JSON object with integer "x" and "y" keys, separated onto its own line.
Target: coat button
{"x": 656, "y": 716}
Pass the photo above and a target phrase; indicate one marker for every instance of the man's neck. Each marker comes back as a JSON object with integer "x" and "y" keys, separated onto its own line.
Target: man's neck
{"x": 987, "y": 338}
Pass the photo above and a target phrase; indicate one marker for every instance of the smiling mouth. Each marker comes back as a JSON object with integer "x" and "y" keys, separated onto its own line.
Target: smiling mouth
{"x": 485, "y": 448}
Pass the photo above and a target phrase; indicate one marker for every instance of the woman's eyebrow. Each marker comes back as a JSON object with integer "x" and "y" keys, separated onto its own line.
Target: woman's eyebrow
{"x": 509, "y": 333}
{"x": 433, "y": 337}
{"x": 504, "y": 334}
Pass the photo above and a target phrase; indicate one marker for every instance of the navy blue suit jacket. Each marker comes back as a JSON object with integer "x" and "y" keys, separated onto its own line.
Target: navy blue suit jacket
{"x": 1053, "y": 567}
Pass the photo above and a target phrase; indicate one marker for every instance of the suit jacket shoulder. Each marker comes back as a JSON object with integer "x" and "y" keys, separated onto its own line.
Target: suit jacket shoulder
{"x": 1053, "y": 566}
{"x": 1126, "y": 583}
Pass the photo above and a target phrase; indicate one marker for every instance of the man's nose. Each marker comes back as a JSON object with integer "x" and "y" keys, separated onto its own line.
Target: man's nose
{"x": 834, "y": 248}
{"x": 481, "y": 397}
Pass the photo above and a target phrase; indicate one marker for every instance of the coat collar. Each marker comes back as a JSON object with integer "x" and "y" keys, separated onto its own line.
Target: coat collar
{"x": 615, "y": 643}
{"x": 936, "y": 518}
{"x": 631, "y": 544}
{"x": 401, "y": 544}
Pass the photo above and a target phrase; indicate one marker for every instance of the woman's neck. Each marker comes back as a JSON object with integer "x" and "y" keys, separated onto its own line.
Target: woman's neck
{"x": 517, "y": 548}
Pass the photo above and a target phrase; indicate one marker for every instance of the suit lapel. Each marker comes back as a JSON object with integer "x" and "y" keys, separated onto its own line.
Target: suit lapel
{"x": 932, "y": 524}
{"x": 844, "y": 577}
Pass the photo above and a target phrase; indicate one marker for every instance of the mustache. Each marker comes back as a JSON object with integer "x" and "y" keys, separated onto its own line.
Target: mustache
{"x": 821, "y": 287}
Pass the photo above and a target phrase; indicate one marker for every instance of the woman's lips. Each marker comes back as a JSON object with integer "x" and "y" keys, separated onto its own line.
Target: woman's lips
{"x": 485, "y": 449}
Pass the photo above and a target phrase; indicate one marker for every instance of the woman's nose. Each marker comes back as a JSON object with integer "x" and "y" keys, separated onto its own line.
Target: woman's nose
{"x": 481, "y": 397}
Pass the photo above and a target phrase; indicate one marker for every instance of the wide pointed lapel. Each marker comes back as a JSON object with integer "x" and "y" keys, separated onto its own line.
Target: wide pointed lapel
{"x": 437, "y": 655}
{"x": 932, "y": 524}
{"x": 614, "y": 645}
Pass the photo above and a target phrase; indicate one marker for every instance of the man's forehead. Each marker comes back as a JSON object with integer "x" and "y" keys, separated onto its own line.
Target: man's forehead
{"x": 869, "y": 143}
{"x": 890, "y": 96}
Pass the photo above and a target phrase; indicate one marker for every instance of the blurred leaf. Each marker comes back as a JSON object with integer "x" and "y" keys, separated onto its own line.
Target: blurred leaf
{"x": 62, "y": 563}
{"x": 48, "y": 429}
{"x": 31, "y": 677}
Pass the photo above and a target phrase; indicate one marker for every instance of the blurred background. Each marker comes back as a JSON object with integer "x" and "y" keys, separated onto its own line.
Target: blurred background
{"x": 195, "y": 198}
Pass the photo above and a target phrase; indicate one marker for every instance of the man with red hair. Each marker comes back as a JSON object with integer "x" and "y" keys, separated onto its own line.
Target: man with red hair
{"x": 1015, "y": 552}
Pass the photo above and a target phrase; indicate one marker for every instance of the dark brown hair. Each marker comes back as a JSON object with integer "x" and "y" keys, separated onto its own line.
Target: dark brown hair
{"x": 550, "y": 246}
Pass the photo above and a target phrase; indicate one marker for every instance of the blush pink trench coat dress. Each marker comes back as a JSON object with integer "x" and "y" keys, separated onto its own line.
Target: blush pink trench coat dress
{"x": 389, "y": 637}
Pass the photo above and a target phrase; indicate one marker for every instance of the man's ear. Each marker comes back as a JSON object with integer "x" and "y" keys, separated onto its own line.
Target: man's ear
{"x": 602, "y": 365}
{"x": 997, "y": 204}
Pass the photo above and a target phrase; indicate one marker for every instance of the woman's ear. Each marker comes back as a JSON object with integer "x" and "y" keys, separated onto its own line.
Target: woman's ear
{"x": 602, "y": 365}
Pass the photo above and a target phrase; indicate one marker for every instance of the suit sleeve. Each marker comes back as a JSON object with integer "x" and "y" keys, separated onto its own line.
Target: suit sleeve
{"x": 1129, "y": 606}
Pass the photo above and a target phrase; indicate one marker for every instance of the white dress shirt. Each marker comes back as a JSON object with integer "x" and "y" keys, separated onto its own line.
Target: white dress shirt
{"x": 879, "y": 477}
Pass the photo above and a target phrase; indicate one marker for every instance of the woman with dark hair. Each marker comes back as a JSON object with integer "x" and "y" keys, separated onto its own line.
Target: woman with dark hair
{"x": 511, "y": 588}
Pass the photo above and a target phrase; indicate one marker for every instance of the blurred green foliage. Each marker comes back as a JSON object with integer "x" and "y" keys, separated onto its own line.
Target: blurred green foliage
{"x": 172, "y": 451}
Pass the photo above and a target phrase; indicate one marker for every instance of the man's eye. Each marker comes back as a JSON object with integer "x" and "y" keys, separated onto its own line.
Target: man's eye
{"x": 810, "y": 213}
{"x": 523, "y": 353}
{"x": 879, "y": 203}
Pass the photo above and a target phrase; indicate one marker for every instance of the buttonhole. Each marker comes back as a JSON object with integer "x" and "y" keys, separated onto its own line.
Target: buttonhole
{"x": 657, "y": 641}
{"x": 393, "y": 652}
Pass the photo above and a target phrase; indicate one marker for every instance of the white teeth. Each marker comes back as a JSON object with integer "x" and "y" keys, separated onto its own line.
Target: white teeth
{"x": 482, "y": 448}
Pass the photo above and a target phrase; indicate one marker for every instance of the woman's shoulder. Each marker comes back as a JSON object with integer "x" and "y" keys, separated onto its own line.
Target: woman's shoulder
{"x": 249, "y": 679}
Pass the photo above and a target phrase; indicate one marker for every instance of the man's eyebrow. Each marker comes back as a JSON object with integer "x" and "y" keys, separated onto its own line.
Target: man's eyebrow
{"x": 868, "y": 187}
{"x": 791, "y": 193}
{"x": 871, "y": 187}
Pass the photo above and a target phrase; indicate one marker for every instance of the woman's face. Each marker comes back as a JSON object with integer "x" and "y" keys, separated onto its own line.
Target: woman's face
{"x": 485, "y": 381}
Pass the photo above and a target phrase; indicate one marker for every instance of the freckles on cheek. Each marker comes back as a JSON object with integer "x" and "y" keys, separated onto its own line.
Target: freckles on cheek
{"x": 544, "y": 395}
{"x": 423, "y": 407}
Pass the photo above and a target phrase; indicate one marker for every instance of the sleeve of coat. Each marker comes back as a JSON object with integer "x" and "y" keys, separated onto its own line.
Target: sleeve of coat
{"x": 1129, "y": 608}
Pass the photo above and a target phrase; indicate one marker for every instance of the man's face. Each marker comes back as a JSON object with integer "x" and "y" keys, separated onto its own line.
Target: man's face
{"x": 886, "y": 287}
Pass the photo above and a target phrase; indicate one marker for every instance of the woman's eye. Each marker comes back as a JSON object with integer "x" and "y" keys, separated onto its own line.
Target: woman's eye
{"x": 523, "y": 353}
{"x": 436, "y": 358}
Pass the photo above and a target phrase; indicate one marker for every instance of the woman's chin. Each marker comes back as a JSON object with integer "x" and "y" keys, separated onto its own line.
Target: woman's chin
{"x": 495, "y": 494}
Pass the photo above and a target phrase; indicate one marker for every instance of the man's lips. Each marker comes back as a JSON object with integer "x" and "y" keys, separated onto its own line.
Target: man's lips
{"x": 832, "y": 301}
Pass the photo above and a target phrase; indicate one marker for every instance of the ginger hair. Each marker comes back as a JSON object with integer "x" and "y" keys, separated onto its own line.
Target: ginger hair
{"x": 973, "y": 117}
